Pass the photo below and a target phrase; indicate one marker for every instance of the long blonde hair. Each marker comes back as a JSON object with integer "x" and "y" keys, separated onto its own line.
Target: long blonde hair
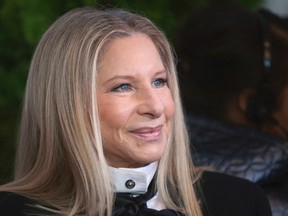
{"x": 60, "y": 160}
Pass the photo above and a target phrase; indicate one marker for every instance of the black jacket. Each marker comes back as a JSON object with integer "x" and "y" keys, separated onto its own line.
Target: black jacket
{"x": 223, "y": 196}
{"x": 226, "y": 195}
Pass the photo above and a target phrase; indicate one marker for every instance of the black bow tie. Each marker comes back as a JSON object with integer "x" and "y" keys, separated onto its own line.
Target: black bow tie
{"x": 128, "y": 205}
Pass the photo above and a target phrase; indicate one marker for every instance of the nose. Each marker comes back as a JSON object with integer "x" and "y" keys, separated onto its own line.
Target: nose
{"x": 151, "y": 104}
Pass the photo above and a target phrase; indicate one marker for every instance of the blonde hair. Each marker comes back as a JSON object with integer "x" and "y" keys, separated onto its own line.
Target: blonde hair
{"x": 60, "y": 160}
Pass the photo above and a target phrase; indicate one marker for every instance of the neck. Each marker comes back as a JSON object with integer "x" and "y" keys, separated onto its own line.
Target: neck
{"x": 276, "y": 128}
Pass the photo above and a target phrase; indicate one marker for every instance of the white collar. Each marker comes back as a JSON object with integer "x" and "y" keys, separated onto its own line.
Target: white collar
{"x": 140, "y": 176}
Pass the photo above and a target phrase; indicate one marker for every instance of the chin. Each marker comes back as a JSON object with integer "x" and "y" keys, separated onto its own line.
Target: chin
{"x": 152, "y": 158}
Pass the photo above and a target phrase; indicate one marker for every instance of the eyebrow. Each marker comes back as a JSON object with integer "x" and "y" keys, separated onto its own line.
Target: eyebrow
{"x": 129, "y": 77}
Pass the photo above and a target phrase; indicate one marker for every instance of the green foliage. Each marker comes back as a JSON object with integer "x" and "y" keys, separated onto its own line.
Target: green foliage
{"x": 22, "y": 22}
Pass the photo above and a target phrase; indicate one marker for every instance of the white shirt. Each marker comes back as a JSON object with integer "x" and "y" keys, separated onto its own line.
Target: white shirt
{"x": 141, "y": 178}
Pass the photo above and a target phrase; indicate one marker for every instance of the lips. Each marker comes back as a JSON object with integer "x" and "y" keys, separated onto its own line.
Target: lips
{"x": 148, "y": 133}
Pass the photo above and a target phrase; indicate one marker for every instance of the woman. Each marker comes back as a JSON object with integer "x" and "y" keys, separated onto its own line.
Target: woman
{"x": 102, "y": 114}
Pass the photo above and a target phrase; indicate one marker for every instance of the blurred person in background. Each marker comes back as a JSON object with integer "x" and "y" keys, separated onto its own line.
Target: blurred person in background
{"x": 233, "y": 67}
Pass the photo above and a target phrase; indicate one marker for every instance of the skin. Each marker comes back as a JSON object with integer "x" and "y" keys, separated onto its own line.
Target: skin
{"x": 135, "y": 104}
{"x": 236, "y": 113}
{"x": 281, "y": 114}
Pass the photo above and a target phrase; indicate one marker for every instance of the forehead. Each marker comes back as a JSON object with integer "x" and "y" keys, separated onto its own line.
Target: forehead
{"x": 135, "y": 52}
{"x": 129, "y": 43}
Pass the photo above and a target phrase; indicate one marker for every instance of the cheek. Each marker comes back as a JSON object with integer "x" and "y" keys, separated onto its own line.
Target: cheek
{"x": 169, "y": 106}
{"x": 113, "y": 113}
{"x": 285, "y": 102}
{"x": 281, "y": 114}
{"x": 284, "y": 109}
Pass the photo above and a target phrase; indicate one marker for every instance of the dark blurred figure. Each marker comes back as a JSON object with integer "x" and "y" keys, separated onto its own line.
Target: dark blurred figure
{"x": 233, "y": 66}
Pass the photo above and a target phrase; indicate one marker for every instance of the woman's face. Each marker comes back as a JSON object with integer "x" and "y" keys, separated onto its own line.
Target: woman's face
{"x": 135, "y": 104}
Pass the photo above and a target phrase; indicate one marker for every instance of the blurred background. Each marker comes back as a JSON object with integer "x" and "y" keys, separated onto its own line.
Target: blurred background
{"x": 22, "y": 22}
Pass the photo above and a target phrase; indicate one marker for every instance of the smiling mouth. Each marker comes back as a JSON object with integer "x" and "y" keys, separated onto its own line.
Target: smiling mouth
{"x": 147, "y": 133}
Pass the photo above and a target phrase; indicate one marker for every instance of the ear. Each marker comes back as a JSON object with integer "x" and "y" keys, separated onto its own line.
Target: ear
{"x": 243, "y": 98}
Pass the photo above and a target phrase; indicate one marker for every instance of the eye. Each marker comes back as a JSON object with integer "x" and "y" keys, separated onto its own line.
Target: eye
{"x": 159, "y": 82}
{"x": 122, "y": 88}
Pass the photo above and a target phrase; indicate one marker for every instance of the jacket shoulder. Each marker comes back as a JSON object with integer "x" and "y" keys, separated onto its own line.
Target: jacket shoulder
{"x": 229, "y": 195}
{"x": 15, "y": 204}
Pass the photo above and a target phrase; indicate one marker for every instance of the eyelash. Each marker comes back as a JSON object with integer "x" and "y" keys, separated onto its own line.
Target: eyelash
{"x": 118, "y": 88}
{"x": 162, "y": 81}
